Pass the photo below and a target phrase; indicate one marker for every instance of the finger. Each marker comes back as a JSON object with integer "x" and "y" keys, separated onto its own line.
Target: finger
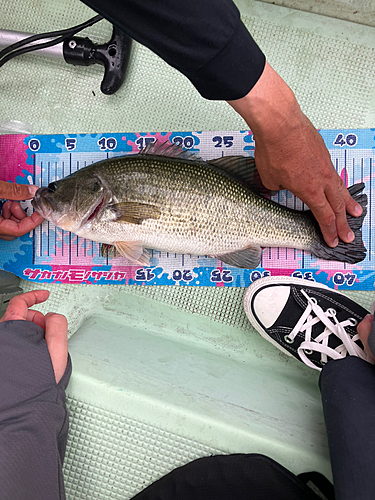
{"x": 57, "y": 342}
{"x": 13, "y": 191}
{"x": 14, "y": 229}
{"x": 36, "y": 218}
{"x": 352, "y": 207}
{"x": 19, "y": 305}
{"x": 17, "y": 211}
{"x": 327, "y": 221}
{"x": 6, "y": 213}
{"x": 364, "y": 329}
{"x": 36, "y": 317}
{"x": 14, "y": 219}
{"x": 7, "y": 238}
{"x": 338, "y": 205}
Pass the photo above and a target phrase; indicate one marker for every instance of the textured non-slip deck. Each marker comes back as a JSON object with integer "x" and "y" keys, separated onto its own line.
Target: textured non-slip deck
{"x": 162, "y": 375}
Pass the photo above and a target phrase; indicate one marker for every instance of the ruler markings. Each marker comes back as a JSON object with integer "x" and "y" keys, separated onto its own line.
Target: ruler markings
{"x": 166, "y": 259}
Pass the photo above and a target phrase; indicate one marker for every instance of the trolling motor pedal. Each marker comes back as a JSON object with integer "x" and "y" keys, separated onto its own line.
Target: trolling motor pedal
{"x": 114, "y": 56}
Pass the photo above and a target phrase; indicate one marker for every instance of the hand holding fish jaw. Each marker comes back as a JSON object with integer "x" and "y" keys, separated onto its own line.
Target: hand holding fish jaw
{"x": 13, "y": 220}
{"x": 291, "y": 154}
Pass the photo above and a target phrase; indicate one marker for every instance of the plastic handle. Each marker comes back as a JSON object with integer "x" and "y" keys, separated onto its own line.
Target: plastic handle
{"x": 114, "y": 56}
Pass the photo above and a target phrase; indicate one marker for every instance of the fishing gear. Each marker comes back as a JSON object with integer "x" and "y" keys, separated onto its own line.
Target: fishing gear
{"x": 113, "y": 55}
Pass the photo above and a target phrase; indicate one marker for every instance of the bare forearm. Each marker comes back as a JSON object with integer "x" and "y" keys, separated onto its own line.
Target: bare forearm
{"x": 290, "y": 154}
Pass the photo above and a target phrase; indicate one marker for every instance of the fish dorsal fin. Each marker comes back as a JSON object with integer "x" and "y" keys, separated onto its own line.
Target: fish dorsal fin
{"x": 159, "y": 148}
{"x": 244, "y": 169}
{"x": 134, "y": 212}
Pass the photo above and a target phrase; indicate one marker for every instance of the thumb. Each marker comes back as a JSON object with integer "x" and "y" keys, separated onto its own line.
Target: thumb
{"x": 12, "y": 191}
{"x": 57, "y": 342}
{"x": 364, "y": 327}
{"x": 364, "y": 331}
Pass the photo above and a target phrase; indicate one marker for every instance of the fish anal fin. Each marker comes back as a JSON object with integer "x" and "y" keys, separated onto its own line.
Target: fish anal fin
{"x": 133, "y": 250}
{"x": 247, "y": 258}
{"x": 135, "y": 212}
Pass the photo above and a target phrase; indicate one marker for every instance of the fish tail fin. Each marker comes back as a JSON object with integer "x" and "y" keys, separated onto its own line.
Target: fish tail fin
{"x": 347, "y": 252}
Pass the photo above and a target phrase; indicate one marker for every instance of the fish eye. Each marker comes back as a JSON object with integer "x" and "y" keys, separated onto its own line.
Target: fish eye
{"x": 96, "y": 187}
{"x": 52, "y": 187}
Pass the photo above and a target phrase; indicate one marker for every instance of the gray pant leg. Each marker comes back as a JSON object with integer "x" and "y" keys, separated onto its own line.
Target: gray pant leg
{"x": 33, "y": 417}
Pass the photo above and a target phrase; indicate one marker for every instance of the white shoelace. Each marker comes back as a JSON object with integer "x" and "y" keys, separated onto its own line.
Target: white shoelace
{"x": 320, "y": 343}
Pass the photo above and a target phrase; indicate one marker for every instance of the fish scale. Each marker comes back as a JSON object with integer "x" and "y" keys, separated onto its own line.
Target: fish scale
{"x": 183, "y": 205}
{"x": 202, "y": 211}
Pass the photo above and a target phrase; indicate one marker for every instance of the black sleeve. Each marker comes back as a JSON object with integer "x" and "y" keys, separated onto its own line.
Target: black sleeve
{"x": 203, "y": 39}
{"x": 33, "y": 417}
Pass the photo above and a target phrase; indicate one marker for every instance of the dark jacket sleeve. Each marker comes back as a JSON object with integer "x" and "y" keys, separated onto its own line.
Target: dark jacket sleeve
{"x": 33, "y": 416}
{"x": 203, "y": 39}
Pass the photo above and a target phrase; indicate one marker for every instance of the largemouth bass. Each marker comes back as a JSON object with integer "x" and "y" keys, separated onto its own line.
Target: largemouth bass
{"x": 166, "y": 199}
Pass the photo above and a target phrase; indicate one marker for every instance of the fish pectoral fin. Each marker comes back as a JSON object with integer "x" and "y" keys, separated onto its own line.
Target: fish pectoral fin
{"x": 133, "y": 250}
{"x": 248, "y": 258}
{"x": 134, "y": 212}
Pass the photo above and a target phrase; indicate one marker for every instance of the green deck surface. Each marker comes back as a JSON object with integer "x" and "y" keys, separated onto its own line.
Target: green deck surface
{"x": 163, "y": 375}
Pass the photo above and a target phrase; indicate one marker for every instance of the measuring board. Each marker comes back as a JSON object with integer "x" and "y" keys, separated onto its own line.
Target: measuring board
{"x": 50, "y": 254}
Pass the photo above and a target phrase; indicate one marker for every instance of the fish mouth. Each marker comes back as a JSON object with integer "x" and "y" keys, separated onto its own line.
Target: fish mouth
{"x": 96, "y": 210}
{"x": 41, "y": 203}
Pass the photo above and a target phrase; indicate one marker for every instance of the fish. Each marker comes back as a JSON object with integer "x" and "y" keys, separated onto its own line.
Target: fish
{"x": 169, "y": 199}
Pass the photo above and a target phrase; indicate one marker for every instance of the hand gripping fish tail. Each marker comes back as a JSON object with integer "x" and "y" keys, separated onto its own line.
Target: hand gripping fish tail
{"x": 347, "y": 252}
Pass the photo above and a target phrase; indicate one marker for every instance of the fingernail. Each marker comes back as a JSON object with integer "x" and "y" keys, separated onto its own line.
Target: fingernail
{"x": 357, "y": 211}
{"x": 350, "y": 235}
{"x": 335, "y": 242}
{"x": 33, "y": 190}
{"x": 369, "y": 317}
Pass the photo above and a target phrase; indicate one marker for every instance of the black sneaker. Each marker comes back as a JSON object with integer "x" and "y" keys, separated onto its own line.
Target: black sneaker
{"x": 305, "y": 319}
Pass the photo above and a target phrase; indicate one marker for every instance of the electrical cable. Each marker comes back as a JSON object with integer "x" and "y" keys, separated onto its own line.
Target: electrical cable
{"x": 19, "y": 52}
{"x": 15, "y": 49}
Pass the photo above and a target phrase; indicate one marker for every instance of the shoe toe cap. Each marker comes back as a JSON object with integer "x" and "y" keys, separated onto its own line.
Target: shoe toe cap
{"x": 269, "y": 303}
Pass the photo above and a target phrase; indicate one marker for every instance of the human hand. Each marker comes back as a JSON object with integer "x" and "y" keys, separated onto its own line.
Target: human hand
{"x": 13, "y": 220}
{"x": 291, "y": 154}
{"x": 364, "y": 329}
{"x": 54, "y": 325}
